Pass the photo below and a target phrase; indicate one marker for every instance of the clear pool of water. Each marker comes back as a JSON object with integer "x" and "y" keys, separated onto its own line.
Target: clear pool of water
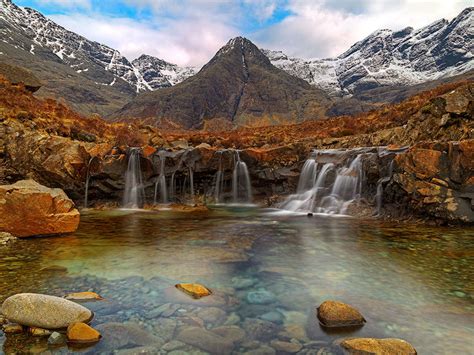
{"x": 268, "y": 273}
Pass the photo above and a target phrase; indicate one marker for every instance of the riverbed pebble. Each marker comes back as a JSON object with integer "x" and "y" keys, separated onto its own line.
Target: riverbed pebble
{"x": 12, "y": 328}
{"x": 194, "y": 290}
{"x": 82, "y": 333}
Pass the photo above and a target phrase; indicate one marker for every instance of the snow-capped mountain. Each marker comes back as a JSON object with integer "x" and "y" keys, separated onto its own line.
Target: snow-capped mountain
{"x": 406, "y": 57}
{"x": 157, "y": 73}
{"x": 81, "y": 54}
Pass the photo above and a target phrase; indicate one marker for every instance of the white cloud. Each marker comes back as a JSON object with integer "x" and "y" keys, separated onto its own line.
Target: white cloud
{"x": 189, "y": 32}
{"x": 186, "y": 42}
{"x": 326, "y": 28}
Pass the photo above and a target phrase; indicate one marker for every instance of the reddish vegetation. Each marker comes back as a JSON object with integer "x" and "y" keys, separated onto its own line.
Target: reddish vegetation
{"x": 56, "y": 118}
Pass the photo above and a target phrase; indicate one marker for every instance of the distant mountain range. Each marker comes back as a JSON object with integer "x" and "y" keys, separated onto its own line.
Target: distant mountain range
{"x": 94, "y": 78}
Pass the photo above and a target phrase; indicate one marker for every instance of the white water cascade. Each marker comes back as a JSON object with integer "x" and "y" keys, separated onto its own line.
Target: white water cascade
{"x": 134, "y": 194}
{"x": 241, "y": 187}
{"x": 325, "y": 188}
{"x": 160, "y": 184}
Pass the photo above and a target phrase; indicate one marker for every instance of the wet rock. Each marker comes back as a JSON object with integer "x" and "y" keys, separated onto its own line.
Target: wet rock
{"x": 286, "y": 347}
{"x": 260, "y": 297}
{"x": 173, "y": 345}
{"x": 43, "y": 311}
{"x": 57, "y": 338}
{"x": 30, "y": 209}
{"x": 205, "y": 340}
{"x": 83, "y": 296}
{"x": 39, "y": 332}
{"x": 377, "y": 346}
{"x": 6, "y": 238}
{"x": 262, "y": 350}
{"x": 294, "y": 331}
{"x": 338, "y": 314}
{"x": 232, "y": 333}
{"x": 148, "y": 350}
{"x": 165, "y": 310}
{"x": 211, "y": 314}
{"x": 125, "y": 336}
{"x": 260, "y": 329}
{"x": 273, "y": 316}
{"x": 82, "y": 333}
{"x": 240, "y": 283}
{"x": 12, "y": 328}
{"x": 194, "y": 290}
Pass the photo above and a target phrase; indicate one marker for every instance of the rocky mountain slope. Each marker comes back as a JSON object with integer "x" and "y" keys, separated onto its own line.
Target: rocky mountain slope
{"x": 238, "y": 86}
{"x": 386, "y": 58}
{"x": 91, "y": 77}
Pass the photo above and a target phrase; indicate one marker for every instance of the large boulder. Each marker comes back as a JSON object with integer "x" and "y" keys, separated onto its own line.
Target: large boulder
{"x": 29, "y": 209}
{"x": 43, "y": 311}
{"x": 388, "y": 346}
{"x": 338, "y": 314}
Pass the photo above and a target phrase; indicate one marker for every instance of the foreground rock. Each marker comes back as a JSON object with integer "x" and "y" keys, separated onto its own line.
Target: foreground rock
{"x": 377, "y": 346}
{"x": 337, "y": 314}
{"x": 194, "y": 290}
{"x": 82, "y": 333}
{"x": 6, "y": 238}
{"x": 28, "y": 209}
{"x": 43, "y": 311}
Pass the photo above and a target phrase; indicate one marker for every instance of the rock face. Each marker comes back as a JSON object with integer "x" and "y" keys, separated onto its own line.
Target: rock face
{"x": 437, "y": 179}
{"x": 238, "y": 86}
{"x": 337, "y": 314}
{"x": 17, "y": 75}
{"x": 43, "y": 311}
{"x": 388, "y": 346}
{"x": 29, "y": 209}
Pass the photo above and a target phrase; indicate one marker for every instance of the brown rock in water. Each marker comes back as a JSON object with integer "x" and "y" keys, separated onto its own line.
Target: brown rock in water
{"x": 39, "y": 332}
{"x": 285, "y": 346}
{"x": 205, "y": 340}
{"x": 28, "y": 209}
{"x": 83, "y": 296}
{"x": 337, "y": 314}
{"x": 12, "y": 328}
{"x": 194, "y": 290}
{"x": 389, "y": 346}
{"x": 43, "y": 311}
{"x": 82, "y": 333}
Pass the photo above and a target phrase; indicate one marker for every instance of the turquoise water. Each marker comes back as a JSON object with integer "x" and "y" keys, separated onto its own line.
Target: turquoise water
{"x": 268, "y": 272}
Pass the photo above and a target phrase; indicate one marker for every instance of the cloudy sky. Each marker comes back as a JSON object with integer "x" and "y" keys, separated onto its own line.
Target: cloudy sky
{"x": 189, "y": 32}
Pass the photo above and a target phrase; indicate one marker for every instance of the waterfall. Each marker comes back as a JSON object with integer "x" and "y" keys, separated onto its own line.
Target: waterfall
{"x": 319, "y": 192}
{"x": 380, "y": 183}
{"x": 241, "y": 187}
{"x": 160, "y": 184}
{"x": 191, "y": 183}
{"x": 134, "y": 194}
{"x": 88, "y": 176}
{"x": 219, "y": 183}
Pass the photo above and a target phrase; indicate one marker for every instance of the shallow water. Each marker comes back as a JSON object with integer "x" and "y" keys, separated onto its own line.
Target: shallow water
{"x": 409, "y": 281}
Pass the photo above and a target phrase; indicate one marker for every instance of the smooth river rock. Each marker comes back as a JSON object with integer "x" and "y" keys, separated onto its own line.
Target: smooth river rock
{"x": 194, "y": 290}
{"x": 43, "y": 311}
{"x": 338, "y": 314}
{"x": 29, "y": 209}
{"x": 387, "y": 346}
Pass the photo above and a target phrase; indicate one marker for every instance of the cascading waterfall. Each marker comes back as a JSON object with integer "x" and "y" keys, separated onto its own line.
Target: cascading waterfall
{"x": 380, "y": 183}
{"x": 160, "y": 184}
{"x": 316, "y": 193}
{"x": 88, "y": 176}
{"x": 241, "y": 187}
{"x": 219, "y": 184}
{"x": 191, "y": 182}
{"x": 134, "y": 194}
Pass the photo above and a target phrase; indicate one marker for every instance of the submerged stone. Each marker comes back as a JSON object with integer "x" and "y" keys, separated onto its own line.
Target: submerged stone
{"x": 285, "y": 346}
{"x": 57, "y": 338}
{"x": 205, "y": 340}
{"x": 338, "y": 314}
{"x": 378, "y": 346}
{"x": 43, "y": 311}
{"x": 194, "y": 290}
{"x": 39, "y": 332}
{"x": 82, "y": 333}
{"x": 260, "y": 297}
{"x": 83, "y": 296}
{"x": 12, "y": 328}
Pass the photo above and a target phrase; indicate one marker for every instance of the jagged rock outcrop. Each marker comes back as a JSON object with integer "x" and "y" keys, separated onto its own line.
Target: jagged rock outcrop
{"x": 238, "y": 86}
{"x": 30, "y": 209}
{"x": 436, "y": 180}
